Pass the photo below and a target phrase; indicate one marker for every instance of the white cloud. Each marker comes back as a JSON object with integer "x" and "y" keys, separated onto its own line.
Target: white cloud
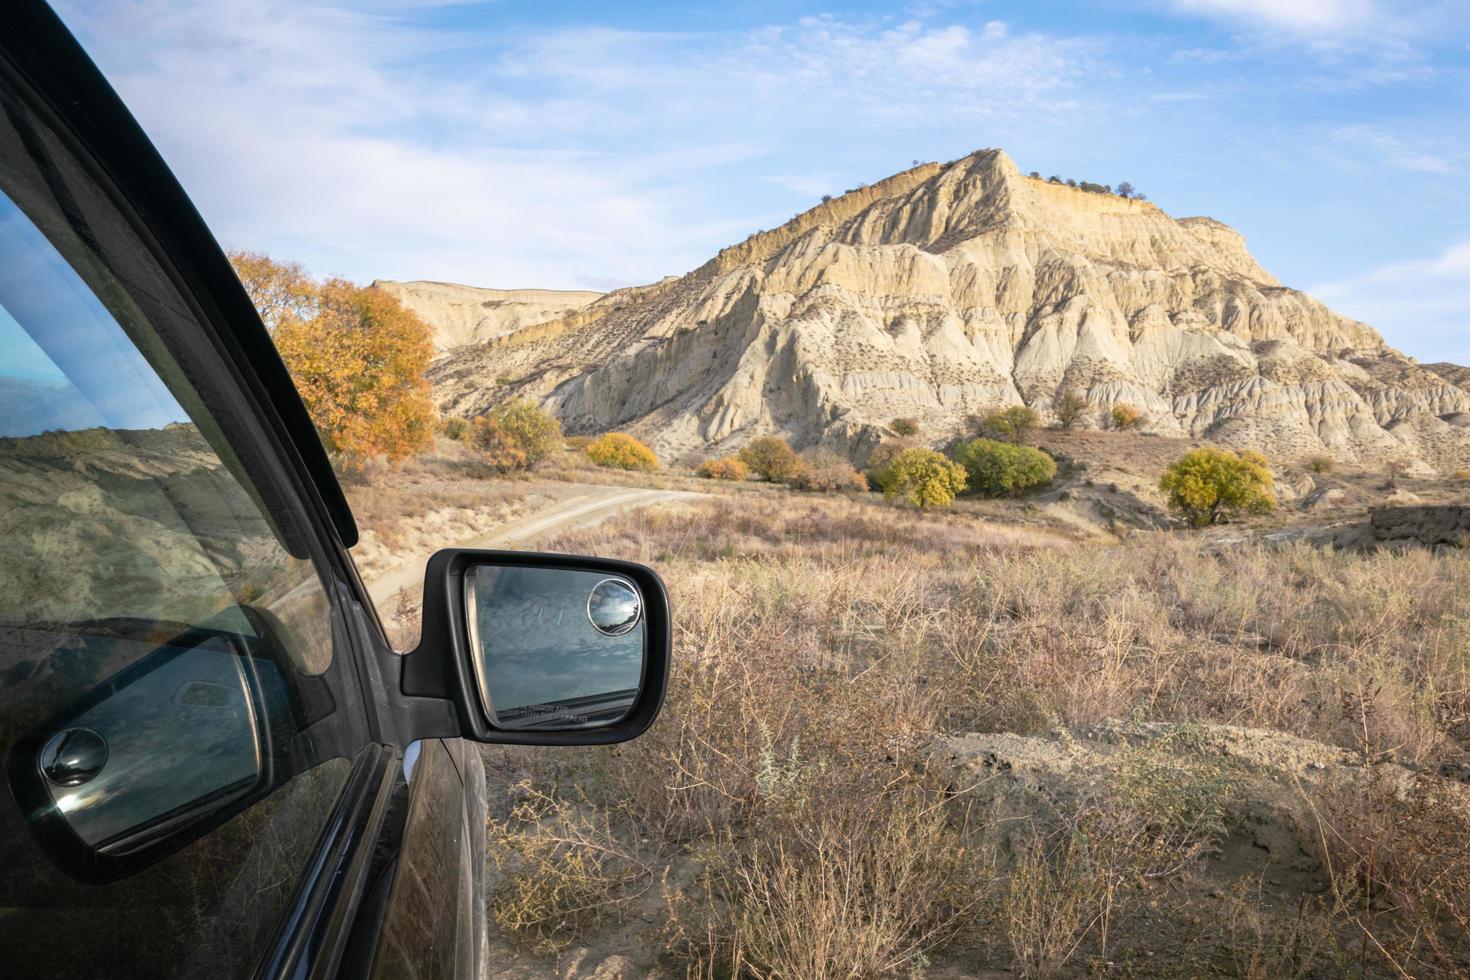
{"x": 1422, "y": 306}
{"x": 342, "y": 137}
{"x": 1300, "y": 16}
{"x": 1392, "y": 150}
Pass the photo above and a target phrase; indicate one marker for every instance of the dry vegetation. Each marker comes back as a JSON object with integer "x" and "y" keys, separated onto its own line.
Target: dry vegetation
{"x": 788, "y": 816}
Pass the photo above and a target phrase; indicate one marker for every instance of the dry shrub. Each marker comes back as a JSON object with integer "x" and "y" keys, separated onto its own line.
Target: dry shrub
{"x": 864, "y": 890}
{"x": 725, "y": 468}
{"x": 822, "y": 641}
{"x": 1263, "y": 945}
{"x": 1060, "y": 894}
{"x": 516, "y": 435}
{"x": 824, "y": 471}
{"x": 1394, "y": 847}
{"x": 563, "y": 868}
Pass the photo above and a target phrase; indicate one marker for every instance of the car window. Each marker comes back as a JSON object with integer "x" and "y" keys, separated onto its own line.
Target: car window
{"x": 174, "y": 724}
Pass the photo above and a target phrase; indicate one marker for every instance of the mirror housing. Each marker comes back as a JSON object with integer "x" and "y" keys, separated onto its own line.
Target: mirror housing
{"x": 541, "y": 649}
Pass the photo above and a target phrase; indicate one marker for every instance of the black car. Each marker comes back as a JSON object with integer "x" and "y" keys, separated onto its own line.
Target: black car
{"x": 214, "y": 764}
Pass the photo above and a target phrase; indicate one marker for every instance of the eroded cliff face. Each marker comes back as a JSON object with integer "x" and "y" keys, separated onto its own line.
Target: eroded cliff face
{"x": 949, "y": 290}
{"x": 470, "y": 315}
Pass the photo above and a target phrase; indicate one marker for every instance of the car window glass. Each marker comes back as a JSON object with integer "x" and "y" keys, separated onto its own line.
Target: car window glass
{"x": 115, "y": 504}
{"x": 174, "y": 726}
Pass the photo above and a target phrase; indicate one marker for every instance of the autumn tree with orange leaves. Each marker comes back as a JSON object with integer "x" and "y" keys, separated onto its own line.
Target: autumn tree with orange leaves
{"x": 357, "y": 357}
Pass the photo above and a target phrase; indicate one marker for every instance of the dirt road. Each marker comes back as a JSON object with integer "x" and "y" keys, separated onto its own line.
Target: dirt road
{"x": 588, "y": 506}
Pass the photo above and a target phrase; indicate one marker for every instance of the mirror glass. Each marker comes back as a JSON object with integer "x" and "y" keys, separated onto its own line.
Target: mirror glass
{"x": 145, "y": 752}
{"x": 557, "y": 648}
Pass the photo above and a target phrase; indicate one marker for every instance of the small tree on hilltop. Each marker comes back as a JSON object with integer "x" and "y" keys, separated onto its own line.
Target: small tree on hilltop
{"x": 359, "y": 364}
{"x": 621, "y": 451}
{"x": 770, "y": 458}
{"x": 1206, "y": 486}
{"x": 1069, "y": 408}
{"x": 905, "y": 427}
{"x": 922, "y": 477}
{"x": 1009, "y": 424}
{"x": 1000, "y": 469}
{"x": 1125, "y": 189}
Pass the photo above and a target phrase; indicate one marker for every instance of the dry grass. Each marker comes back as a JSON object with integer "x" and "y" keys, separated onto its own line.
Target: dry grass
{"x": 821, "y": 643}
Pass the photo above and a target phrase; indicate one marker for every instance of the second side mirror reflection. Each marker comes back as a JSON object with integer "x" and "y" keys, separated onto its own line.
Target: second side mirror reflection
{"x": 555, "y": 649}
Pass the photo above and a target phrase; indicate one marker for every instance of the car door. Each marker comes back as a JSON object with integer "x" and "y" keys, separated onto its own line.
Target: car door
{"x": 189, "y": 755}
{"x": 215, "y": 764}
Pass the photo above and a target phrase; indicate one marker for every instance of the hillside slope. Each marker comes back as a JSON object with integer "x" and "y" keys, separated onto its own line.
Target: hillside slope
{"x": 947, "y": 290}
{"x": 470, "y": 315}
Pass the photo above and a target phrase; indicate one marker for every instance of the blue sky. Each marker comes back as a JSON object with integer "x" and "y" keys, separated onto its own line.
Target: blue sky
{"x": 582, "y": 145}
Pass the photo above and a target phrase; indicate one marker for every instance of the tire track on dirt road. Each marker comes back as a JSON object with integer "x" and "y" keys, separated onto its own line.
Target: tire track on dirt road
{"x": 580, "y": 510}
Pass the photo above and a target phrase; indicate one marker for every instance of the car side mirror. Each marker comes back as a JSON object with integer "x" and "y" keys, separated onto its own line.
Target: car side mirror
{"x": 542, "y": 649}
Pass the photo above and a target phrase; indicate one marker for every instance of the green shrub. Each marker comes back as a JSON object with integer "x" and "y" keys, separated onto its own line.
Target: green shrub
{"x": 883, "y": 454}
{"x": 726, "y": 468}
{"x": 1125, "y": 417}
{"x": 455, "y": 428}
{"x": 1207, "y": 485}
{"x": 1321, "y": 464}
{"x": 770, "y": 458}
{"x": 497, "y": 447}
{"x": 1069, "y": 409}
{"x": 1009, "y": 424}
{"x": 621, "y": 451}
{"x": 824, "y": 471}
{"x": 515, "y": 436}
{"x": 1001, "y": 469}
{"x": 537, "y": 431}
{"x": 922, "y": 477}
{"x": 905, "y": 427}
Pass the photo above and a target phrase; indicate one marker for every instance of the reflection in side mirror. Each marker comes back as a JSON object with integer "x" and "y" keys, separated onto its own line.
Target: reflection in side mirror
{"x": 174, "y": 741}
{"x": 554, "y": 649}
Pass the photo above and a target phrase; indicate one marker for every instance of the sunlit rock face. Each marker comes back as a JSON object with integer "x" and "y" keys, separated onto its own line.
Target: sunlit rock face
{"x": 948, "y": 290}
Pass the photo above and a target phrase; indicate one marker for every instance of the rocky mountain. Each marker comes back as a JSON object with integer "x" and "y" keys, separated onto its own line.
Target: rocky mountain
{"x": 952, "y": 289}
{"x": 470, "y": 315}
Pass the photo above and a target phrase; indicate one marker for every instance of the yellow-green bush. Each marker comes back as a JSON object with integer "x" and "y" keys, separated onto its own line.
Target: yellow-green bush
{"x": 621, "y": 451}
{"x": 1205, "y": 486}
{"x": 922, "y": 477}
{"x": 516, "y": 435}
{"x": 1008, "y": 423}
{"x": 725, "y": 468}
{"x": 1127, "y": 417}
{"x": 497, "y": 446}
{"x": 1001, "y": 469}
{"x": 770, "y": 458}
